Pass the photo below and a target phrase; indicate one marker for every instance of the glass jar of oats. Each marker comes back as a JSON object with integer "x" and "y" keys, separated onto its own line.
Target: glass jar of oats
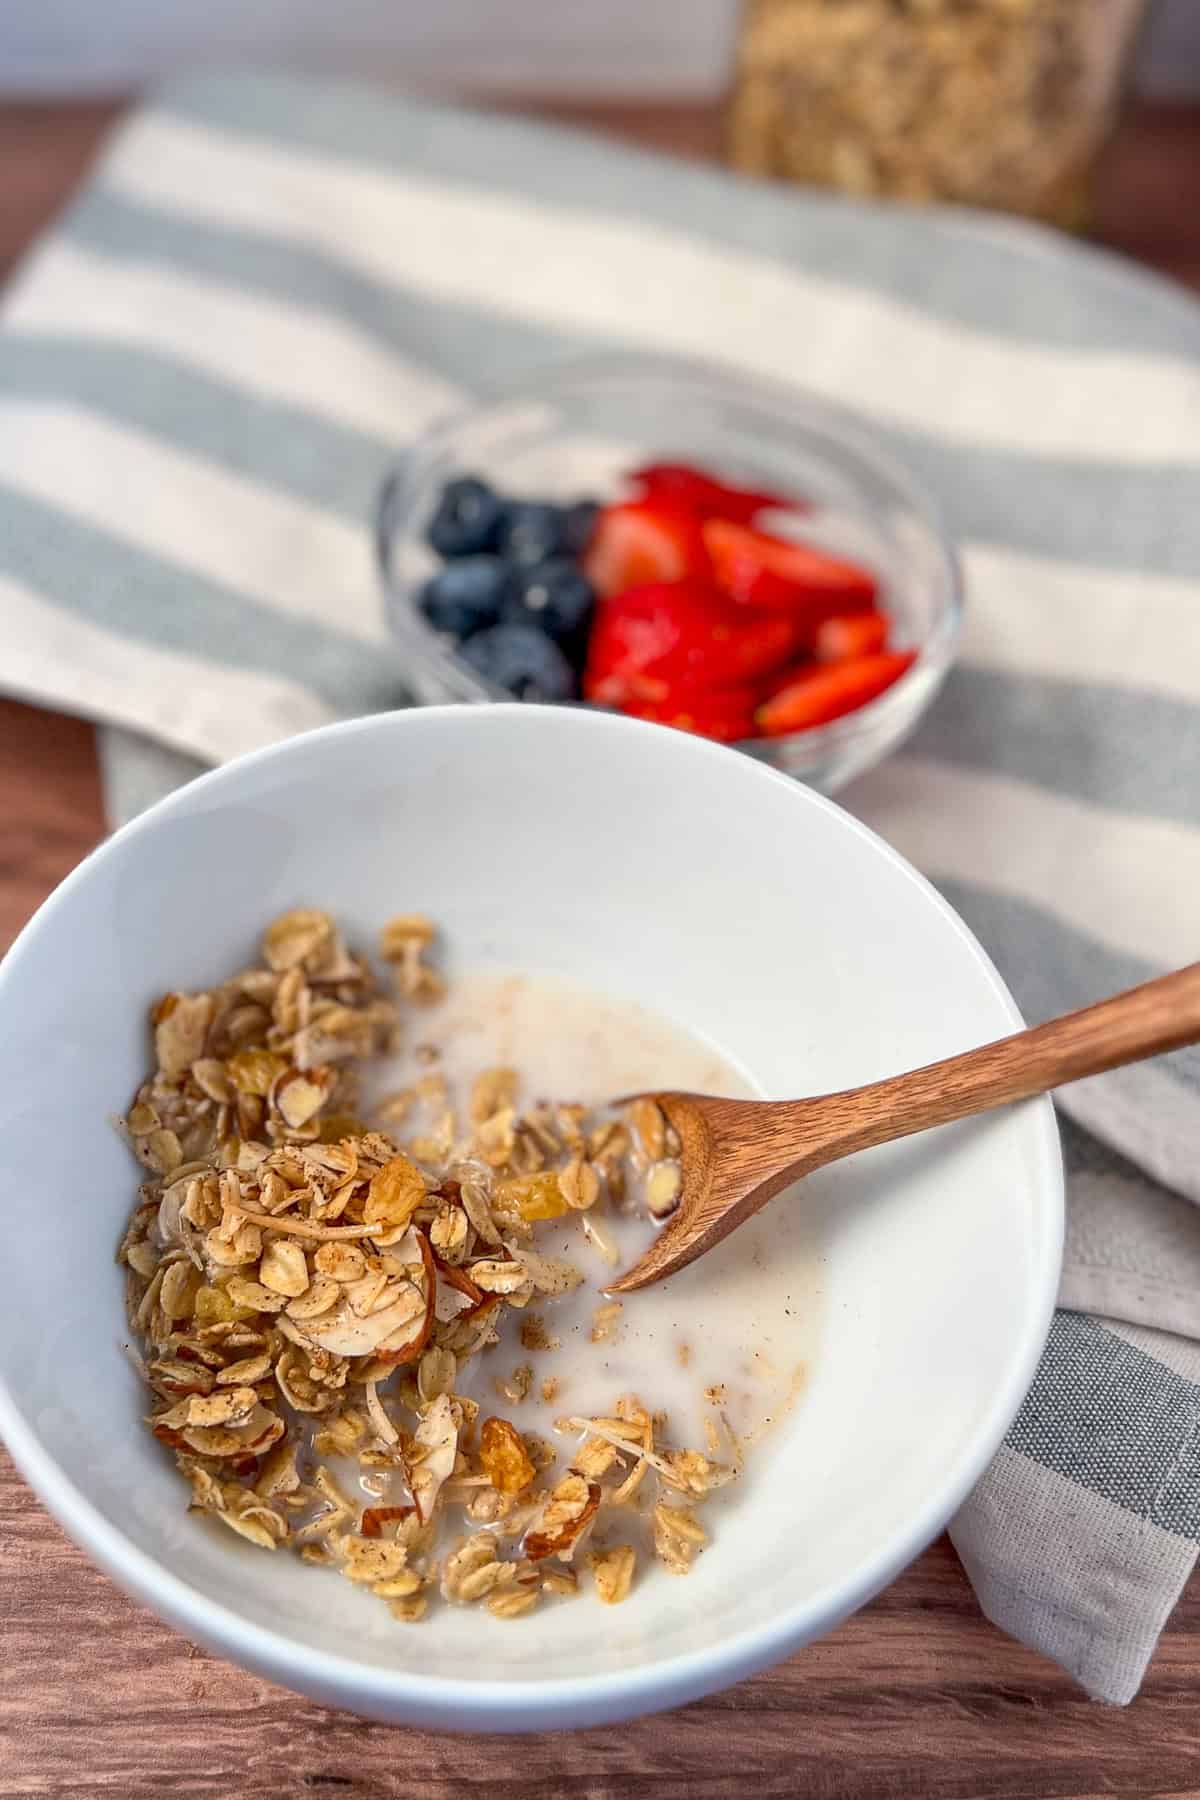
{"x": 994, "y": 103}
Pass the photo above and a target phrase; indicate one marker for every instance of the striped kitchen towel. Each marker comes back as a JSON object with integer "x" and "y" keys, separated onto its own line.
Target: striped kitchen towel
{"x": 270, "y": 286}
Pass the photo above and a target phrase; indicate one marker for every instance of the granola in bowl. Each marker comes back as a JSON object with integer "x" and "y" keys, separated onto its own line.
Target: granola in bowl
{"x": 313, "y": 1297}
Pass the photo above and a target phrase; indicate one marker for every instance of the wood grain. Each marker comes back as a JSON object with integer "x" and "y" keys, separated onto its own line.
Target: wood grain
{"x": 51, "y": 812}
{"x": 736, "y": 1155}
{"x": 44, "y": 152}
{"x": 916, "y": 1698}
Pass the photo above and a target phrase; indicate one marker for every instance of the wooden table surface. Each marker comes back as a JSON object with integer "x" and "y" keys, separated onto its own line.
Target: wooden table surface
{"x": 917, "y": 1696}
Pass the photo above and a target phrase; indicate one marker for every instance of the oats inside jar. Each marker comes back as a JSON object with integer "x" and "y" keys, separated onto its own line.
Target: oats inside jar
{"x": 370, "y": 1310}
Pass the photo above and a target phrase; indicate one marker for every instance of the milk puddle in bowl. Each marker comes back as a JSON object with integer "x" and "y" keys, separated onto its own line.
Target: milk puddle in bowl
{"x": 732, "y": 1334}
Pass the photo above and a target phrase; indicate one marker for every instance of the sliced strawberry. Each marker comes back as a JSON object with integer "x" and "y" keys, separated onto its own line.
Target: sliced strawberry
{"x": 639, "y": 541}
{"x": 725, "y": 714}
{"x": 826, "y": 691}
{"x": 704, "y": 494}
{"x": 651, "y": 637}
{"x": 756, "y": 569}
{"x": 861, "y": 634}
{"x": 632, "y": 632}
{"x": 779, "y": 679}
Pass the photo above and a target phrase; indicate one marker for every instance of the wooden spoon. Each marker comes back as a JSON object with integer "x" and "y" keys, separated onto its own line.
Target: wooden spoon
{"x": 737, "y": 1154}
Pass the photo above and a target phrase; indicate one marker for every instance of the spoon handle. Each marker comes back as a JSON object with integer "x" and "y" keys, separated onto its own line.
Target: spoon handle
{"x": 1144, "y": 1021}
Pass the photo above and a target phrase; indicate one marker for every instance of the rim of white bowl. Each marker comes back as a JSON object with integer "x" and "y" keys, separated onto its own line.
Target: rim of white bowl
{"x": 527, "y": 1705}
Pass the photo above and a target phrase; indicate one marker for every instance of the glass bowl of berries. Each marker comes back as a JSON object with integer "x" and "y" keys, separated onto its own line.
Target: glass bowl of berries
{"x": 677, "y": 542}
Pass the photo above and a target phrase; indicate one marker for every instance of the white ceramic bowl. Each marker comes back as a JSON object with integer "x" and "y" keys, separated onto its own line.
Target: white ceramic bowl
{"x": 644, "y": 862}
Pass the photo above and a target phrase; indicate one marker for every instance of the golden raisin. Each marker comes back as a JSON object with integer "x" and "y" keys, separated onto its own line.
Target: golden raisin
{"x": 216, "y": 1306}
{"x": 536, "y": 1197}
{"x": 213, "y": 1307}
{"x": 395, "y": 1193}
{"x": 255, "y": 1071}
{"x": 503, "y": 1457}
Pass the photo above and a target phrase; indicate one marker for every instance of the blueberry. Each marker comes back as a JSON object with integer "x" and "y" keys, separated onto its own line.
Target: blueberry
{"x": 522, "y": 659}
{"x": 467, "y": 518}
{"x": 532, "y": 532}
{"x": 466, "y": 595}
{"x": 578, "y": 524}
{"x": 553, "y": 595}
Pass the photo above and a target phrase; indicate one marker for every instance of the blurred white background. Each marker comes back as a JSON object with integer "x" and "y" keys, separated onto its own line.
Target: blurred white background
{"x": 595, "y": 48}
